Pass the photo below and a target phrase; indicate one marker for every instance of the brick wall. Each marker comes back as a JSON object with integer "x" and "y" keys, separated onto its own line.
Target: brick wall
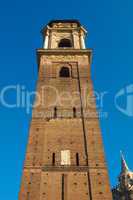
{"x": 63, "y": 128}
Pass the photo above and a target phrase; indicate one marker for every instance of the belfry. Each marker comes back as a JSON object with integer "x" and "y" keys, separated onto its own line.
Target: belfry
{"x": 65, "y": 157}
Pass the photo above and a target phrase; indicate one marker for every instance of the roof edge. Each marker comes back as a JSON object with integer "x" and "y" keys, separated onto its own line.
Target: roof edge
{"x": 64, "y": 21}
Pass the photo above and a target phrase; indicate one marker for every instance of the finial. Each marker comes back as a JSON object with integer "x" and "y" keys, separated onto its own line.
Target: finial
{"x": 124, "y": 167}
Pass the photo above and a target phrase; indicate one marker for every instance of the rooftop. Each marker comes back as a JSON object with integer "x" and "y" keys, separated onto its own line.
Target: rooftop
{"x": 65, "y": 21}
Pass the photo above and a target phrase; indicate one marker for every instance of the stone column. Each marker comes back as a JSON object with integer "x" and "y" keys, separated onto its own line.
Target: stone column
{"x": 82, "y": 41}
{"x": 76, "y": 40}
{"x": 46, "y": 41}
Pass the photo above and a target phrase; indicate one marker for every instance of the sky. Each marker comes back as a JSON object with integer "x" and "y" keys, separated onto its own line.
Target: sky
{"x": 110, "y": 31}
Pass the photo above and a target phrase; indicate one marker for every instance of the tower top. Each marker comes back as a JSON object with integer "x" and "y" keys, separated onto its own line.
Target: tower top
{"x": 64, "y": 23}
{"x": 124, "y": 166}
{"x": 124, "y": 188}
{"x": 125, "y": 177}
{"x": 71, "y": 21}
{"x": 65, "y": 34}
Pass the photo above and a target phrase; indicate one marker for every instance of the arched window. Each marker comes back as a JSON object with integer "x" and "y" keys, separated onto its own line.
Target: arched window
{"x": 64, "y": 72}
{"x": 65, "y": 43}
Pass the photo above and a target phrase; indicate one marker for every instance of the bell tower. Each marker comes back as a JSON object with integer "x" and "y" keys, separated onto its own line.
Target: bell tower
{"x": 65, "y": 156}
{"x": 124, "y": 188}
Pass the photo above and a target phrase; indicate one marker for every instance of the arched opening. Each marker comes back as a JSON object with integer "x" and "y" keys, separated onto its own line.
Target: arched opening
{"x": 64, "y": 72}
{"x": 65, "y": 43}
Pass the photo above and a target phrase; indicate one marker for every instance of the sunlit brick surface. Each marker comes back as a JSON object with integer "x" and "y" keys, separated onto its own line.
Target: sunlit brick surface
{"x": 64, "y": 124}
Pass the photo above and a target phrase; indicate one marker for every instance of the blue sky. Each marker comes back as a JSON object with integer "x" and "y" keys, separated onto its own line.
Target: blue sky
{"x": 109, "y": 25}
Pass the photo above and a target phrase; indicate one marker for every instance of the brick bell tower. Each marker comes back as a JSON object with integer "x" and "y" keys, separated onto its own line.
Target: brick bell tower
{"x": 65, "y": 157}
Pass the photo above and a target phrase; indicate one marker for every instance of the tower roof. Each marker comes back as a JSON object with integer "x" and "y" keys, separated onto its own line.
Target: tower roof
{"x": 125, "y": 178}
{"x": 124, "y": 166}
{"x": 65, "y": 21}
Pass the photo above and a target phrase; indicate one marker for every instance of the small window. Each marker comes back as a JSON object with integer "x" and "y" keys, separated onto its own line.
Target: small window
{"x": 65, "y": 157}
{"x": 74, "y": 112}
{"x": 64, "y": 72}
{"x": 65, "y": 43}
{"x": 77, "y": 159}
{"x": 63, "y": 186}
{"x": 55, "y": 112}
{"x": 53, "y": 159}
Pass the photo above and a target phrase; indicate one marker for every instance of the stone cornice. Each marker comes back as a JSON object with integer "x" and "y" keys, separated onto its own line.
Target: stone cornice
{"x": 66, "y": 51}
{"x": 42, "y": 51}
